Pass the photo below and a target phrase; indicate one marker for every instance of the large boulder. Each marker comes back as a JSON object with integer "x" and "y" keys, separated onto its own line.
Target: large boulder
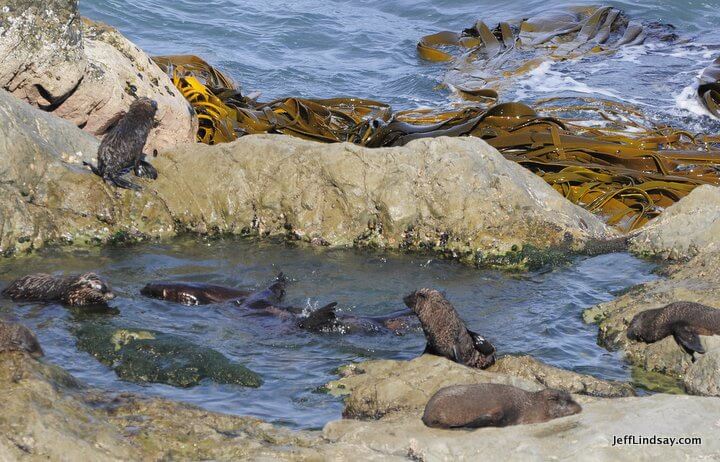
{"x": 684, "y": 229}
{"x": 84, "y": 71}
{"x": 455, "y": 196}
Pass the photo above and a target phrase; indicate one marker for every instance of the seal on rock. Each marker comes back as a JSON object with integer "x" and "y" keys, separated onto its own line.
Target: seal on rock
{"x": 685, "y": 321}
{"x": 16, "y": 337}
{"x": 75, "y": 290}
{"x": 122, "y": 147}
{"x": 446, "y": 333}
{"x": 495, "y": 405}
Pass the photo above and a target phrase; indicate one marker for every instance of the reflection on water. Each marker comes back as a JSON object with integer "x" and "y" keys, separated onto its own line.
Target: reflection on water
{"x": 536, "y": 313}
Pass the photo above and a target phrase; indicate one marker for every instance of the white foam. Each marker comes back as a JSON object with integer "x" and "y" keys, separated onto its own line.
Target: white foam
{"x": 688, "y": 102}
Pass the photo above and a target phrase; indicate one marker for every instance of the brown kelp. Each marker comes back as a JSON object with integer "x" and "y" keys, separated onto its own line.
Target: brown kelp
{"x": 603, "y": 155}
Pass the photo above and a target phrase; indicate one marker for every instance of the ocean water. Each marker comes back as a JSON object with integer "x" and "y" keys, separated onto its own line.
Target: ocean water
{"x": 332, "y": 48}
{"x": 535, "y": 313}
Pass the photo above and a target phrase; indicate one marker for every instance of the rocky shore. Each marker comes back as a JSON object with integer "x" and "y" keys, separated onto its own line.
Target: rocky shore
{"x": 455, "y": 197}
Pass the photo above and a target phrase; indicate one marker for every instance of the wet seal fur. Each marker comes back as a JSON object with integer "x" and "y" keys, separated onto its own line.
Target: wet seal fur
{"x": 495, "y": 405}
{"x": 685, "y": 321}
{"x": 75, "y": 290}
{"x": 192, "y": 293}
{"x": 16, "y": 337}
{"x": 122, "y": 147}
{"x": 446, "y": 333}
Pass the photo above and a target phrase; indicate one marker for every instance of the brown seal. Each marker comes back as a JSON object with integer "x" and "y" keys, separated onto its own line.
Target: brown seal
{"x": 192, "y": 293}
{"x": 16, "y": 337}
{"x": 495, "y": 405}
{"x": 446, "y": 333}
{"x": 685, "y": 321}
{"x": 75, "y": 290}
{"x": 122, "y": 147}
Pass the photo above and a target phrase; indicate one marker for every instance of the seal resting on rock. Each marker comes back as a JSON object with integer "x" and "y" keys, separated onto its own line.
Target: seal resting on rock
{"x": 16, "y": 337}
{"x": 122, "y": 147}
{"x": 75, "y": 290}
{"x": 495, "y": 405}
{"x": 446, "y": 333}
{"x": 685, "y": 321}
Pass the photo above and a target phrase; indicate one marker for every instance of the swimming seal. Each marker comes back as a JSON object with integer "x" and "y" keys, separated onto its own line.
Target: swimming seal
{"x": 495, "y": 405}
{"x": 122, "y": 147}
{"x": 685, "y": 321}
{"x": 75, "y": 290}
{"x": 326, "y": 319}
{"x": 16, "y": 337}
{"x": 192, "y": 293}
{"x": 446, "y": 333}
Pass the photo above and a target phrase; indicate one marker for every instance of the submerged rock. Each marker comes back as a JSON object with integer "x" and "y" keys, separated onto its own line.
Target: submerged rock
{"x": 141, "y": 356}
{"x": 456, "y": 197}
{"x": 85, "y": 71}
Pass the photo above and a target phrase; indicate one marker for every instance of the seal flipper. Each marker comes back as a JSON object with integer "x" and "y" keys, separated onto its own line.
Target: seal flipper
{"x": 123, "y": 183}
{"x": 145, "y": 169}
{"x": 688, "y": 339}
{"x": 481, "y": 344}
{"x": 492, "y": 418}
{"x": 93, "y": 168}
{"x": 321, "y": 319}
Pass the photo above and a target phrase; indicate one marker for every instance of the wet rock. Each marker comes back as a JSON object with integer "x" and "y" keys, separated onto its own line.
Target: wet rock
{"x": 142, "y": 356}
{"x": 694, "y": 281}
{"x": 84, "y": 71}
{"x": 684, "y": 229}
{"x": 529, "y": 368}
{"x": 456, "y": 197}
{"x": 375, "y": 389}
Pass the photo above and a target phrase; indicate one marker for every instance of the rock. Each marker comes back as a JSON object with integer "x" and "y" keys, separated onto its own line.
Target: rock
{"x": 457, "y": 197}
{"x": 694, "y": 281}
{"x": 588, "y": 435}
{"x": 703, "y": 376}
{"x": 529, "y": 368}
{"x": 684, "y": 229}
{"x": 375, "y": 389}
{"x": 85, "y": 71}
{"x": 141, "y": 356}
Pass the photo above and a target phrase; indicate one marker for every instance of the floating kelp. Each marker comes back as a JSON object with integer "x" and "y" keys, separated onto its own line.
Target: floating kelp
{"x": 603, "y": 155}
{"x": 485, "y": 59}
{"x": 709, "y": 88}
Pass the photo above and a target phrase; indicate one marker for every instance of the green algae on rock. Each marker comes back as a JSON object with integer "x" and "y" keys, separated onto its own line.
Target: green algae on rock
{"x": 139, "y": 355}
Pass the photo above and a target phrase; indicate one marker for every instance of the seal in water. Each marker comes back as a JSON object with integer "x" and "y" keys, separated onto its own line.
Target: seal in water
{"x": 192, "y": 293}
{"x": 446, "y": 333}
{"x": 685, "y": 321}
{"x": 326, "y": 319}
{"x": 122, "y": 147}
{"x": 16, "y": 337}
{"x": 495, "y": 405}
{"x": 75, "y": 290}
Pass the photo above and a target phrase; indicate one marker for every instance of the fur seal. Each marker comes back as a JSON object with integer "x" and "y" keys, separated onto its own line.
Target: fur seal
{"x": 685, "y": 321}
{"x": 16, "y": 337}
{"x": 446, "y": 333}
{"x": 495, "y": 405}
{"x": 326, "y": 319}
{"x": 192, "y": 293}
{"x": 122, "y": 147}
{"x": 75, "y": 290}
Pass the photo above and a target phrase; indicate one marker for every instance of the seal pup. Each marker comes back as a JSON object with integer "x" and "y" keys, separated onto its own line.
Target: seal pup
{"x": 16, "y": 337}
{"x": 685, "y": 321}
{"x": 495, "y": 405}
{"x": 122, "y": 147}
{"x": 192, "y": 293}
{"x": 446, "y": 333}
{"x": 326, "y": 319}
{"x": 75, "y": 290}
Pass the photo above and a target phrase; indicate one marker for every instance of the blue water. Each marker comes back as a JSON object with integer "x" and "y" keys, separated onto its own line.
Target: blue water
{"x": 536, "y": 313}
{"x": 331, "y": 48}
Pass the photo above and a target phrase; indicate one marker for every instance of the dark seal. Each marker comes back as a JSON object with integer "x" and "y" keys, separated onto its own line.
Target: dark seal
{"x": 122, "y": 147}
{"x": 77, "y": 290}
{"x": 16, "y": 337}
{"x": 192, "y": 293}
{"x": 495, "y": 405}
{"x": 446, "y": 333}
{"x": 685, "y": 321}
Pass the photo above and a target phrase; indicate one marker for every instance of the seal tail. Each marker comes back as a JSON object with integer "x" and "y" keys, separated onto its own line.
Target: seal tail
{"x": 321, "y": 319}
